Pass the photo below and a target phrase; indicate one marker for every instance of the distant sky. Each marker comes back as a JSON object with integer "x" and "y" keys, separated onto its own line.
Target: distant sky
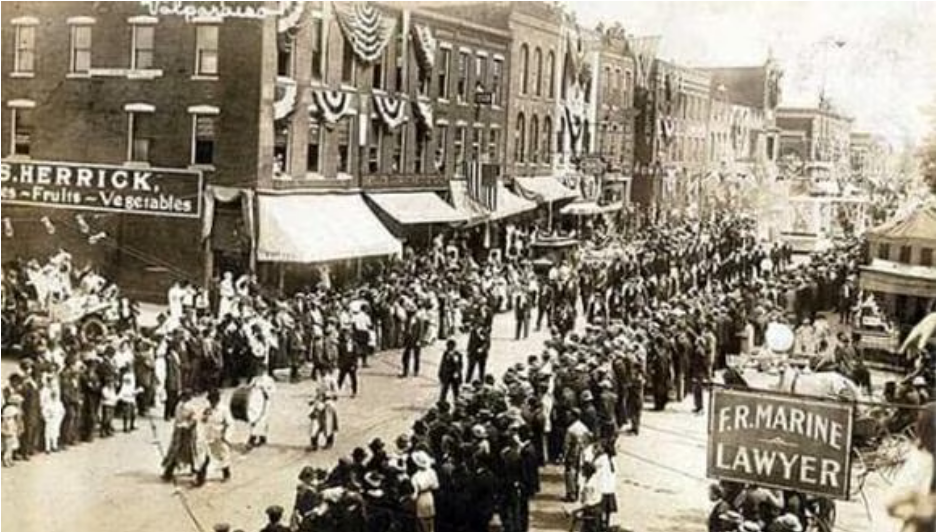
{"x": 881, "y": 56}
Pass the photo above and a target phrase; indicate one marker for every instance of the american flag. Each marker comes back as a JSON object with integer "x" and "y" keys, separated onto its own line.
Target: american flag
{"x": 482, "y": 183}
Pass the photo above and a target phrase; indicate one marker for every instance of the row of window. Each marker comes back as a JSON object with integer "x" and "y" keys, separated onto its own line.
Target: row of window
{"x": 617, "y": 86}
{"x": 140, "y": 134}
{"x": 904, "y": 254}
{"x": 538, "y": 72}
{"x": 483, "y": 145}
{"x": 534, "y": 146}
{"x": 472, "y": 72}
{"x": 142, "y": 46}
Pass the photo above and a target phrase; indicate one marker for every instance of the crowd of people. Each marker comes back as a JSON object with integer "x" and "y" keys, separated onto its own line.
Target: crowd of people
{"x": 663, "y": 311}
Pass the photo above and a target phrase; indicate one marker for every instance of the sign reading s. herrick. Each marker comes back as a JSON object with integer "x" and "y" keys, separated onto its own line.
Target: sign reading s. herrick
{"x": 780, "y": 441}
{"x": 153, "y": 191}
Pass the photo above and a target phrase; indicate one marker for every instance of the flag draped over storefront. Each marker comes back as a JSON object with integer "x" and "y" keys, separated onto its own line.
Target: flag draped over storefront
{"x": 392, "y": 110}
{"x": 285, "y": 97}
{"x": 366, "y": 30}
{"x": 331, "y": 105}
{"x": 575, "y": 121}
{"x": 423, "y": 112}
{"x": 426, "y": 46}
{"x": 644, "y": 50}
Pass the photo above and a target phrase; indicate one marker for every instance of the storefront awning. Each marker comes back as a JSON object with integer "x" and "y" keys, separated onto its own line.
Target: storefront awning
{"x": 411, "y": 208}
{"x": 588, "y": 208}
{"x": 510, "y": 204}
{"x": 473, "y": 211}
{"x": 546, "y": 189}
{"x": 896, "y": 278}
{"x": 320, "y": 228}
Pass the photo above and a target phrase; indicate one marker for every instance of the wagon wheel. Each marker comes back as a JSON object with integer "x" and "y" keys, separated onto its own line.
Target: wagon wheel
{"x": 92, "y": 329}
{"x": 822, "y": 518}
{"x": 858, "y": 474}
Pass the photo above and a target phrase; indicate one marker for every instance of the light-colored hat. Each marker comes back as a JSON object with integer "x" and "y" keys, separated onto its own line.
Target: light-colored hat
{"x": 422, "y": 459}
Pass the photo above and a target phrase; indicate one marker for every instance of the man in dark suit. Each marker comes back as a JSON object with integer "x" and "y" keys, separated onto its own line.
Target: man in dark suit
{"x": 450, "y": 370}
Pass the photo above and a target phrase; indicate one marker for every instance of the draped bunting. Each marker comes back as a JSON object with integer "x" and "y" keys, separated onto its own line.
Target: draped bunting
{"x": 575, "y": 123}
{"x": 423, "y": 112}
{"x": 426, "y": 46}
{"x": 391, "y": 110}
{"x": 331, "y": 105}
{"x": 285, "y": 98}
{"x": 366, "y": 30}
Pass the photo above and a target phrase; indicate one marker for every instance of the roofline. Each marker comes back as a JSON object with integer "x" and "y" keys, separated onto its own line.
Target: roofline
{"x": 424, "y": 13}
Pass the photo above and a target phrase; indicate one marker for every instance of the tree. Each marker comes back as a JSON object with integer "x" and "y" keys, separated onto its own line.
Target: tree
{"x": 927, "y": 152}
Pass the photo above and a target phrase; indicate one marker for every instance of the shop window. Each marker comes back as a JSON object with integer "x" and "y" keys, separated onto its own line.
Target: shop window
{"x": 140, "y": 140}
{"x": 343, "y": 132}
{"x": 24, "y": 52}
{"x": 206, "y": 50}
{"x": 80, "y": 49}
{"x": 316, "y": 53}
{"x": 203, "y": 139}
{"x": 284, "y": 55}
{"x": 461, "y": 85}
{"x": 314, "y": 149}
{"x": 460, "y": 138}
{"x": 143, "y": 44}
{"x": 22, "y": 127}
{"x": 443, "y": 66}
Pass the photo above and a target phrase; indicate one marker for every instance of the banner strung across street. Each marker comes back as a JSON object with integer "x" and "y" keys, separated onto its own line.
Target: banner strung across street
{"x": 780, "y": 441}
{"x": 153, "y": 191}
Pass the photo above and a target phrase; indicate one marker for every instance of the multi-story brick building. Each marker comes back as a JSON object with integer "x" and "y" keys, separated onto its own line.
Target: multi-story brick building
{"x": 615, "y": 109}
{"x": 299, "y": 131}
{"x": 814, "y": 139}
{"x": 114, "y": 83}
{"x": 742, "y": 129}
{"x": 672, "y": 131}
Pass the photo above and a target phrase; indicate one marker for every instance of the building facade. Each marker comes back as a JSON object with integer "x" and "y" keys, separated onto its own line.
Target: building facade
{"x": 869, "y": 157}
{"x": 615, "y": 109}
{"x": 814, "y": 141}
{"x": 113, "y": 83}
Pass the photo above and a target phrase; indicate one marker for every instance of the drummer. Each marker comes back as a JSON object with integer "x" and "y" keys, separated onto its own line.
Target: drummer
{"x": 264, "y": 384}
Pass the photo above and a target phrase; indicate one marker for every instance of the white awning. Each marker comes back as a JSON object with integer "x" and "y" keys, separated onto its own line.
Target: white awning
{"x": 472, "y": 210}
{"x": 320, "y": 228}
{"x": 410, "y": 208}
{"x": 510, "y": 204}
{"x": 587, "y": 208}
{"x": 546, "y": 189}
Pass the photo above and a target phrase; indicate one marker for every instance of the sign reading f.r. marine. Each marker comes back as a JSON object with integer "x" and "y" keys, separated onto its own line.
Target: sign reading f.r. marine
{"x": 780, "y": 441}
{"x": 154, "y": 191}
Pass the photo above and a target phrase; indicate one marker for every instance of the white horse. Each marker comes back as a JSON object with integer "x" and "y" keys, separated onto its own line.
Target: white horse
{"x": 821, "y": 384}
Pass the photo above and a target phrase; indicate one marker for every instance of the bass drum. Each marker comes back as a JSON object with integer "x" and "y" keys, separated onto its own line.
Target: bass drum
{"x": 92, "y": 329}
{"x": 247, "y": 404}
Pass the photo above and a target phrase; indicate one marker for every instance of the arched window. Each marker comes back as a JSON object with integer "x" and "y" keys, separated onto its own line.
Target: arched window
{"x": 538, "y": 62}
{"x": 520, "y": 140}
{"x": 534, "y": 139}
{"x": 606, "y": 89}
{"x": 560, "y": 139}
{"x": 564, "y": 82}
{"x": 547, "y": 140}
{"x": 524, "y": 68}
{"x": 551, "y": 74}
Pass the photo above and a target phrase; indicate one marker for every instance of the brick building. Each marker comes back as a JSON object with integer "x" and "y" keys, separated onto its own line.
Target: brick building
{"x": 869, "y": 157}
{"x": 113, "y": 83}
{"x": 814, "y": 140}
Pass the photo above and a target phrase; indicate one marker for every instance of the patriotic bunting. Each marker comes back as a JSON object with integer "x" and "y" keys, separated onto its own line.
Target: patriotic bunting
{"x": 423, "y": 112}
{"x": 331, "y": 105}
{"x": 366, "y": 30}
{"x": 575, "y": 123}
{"x": 285, "y": 99}
{"x": 391, "y": 110}
{"x": 667, "y": 127}
{"x": 426, "y": 46}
